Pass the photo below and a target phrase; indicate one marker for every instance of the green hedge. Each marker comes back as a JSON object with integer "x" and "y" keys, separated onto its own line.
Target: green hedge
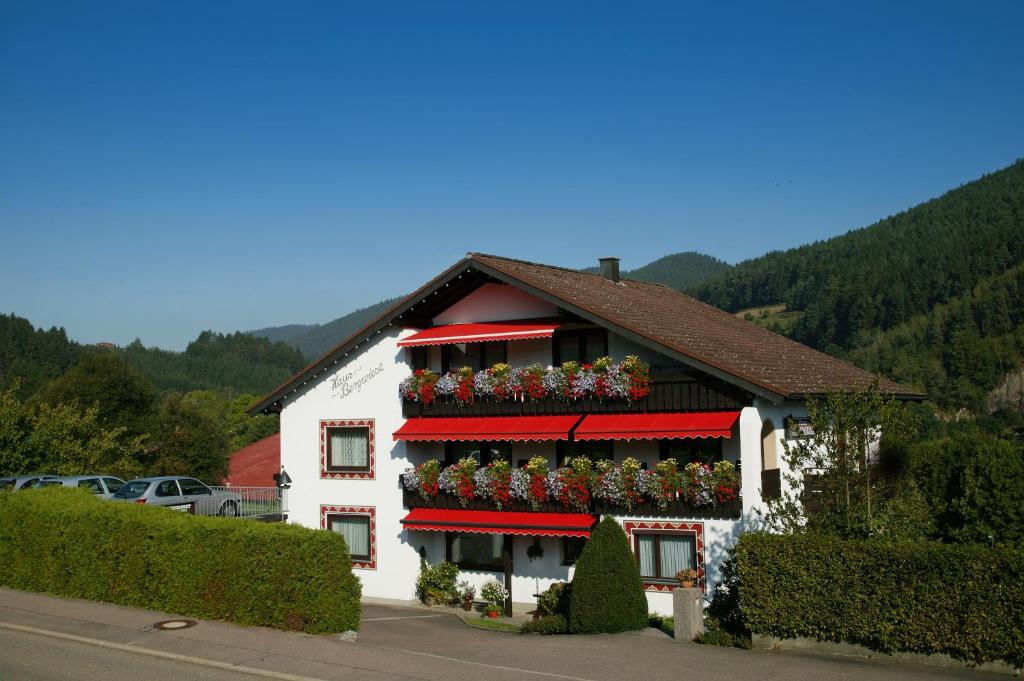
{"x": 67, "y": 542}
{"x": 922, "y": 597}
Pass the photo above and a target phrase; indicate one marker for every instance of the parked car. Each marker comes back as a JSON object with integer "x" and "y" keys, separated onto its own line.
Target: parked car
{"x": 179, "y": 492}
{"x": 102, "y": 486}
{"x": 18, "y": 482}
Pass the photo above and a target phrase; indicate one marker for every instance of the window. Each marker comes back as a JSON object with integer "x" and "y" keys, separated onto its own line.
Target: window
{"x": 193, "y": 487}
{"x": 355, "y": 529}
{"x": 595, "y": 450}
{"x": 476, "y": 551}
{"x": 688, "y": 450}
{"x": 661, "y": 556}
{"x": 483, "y": 452}
{"x": 113, "y": 484}
{"x": 419, "y": 357}
{"x": 477, "y": 356}
{"x": 92, "y": 484}
{"x": 358, "y": 526}
{"x": 348, "y": 449}
{"x": 572, "y": 547}
{"x": 167, "y": 488}
{"x": 579, "y": 346}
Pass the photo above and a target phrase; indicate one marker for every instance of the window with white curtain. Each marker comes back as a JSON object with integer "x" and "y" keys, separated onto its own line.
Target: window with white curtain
{"x": 661, "y": 556}
{"x": 348, "y": 449}
{"x": 472, "y": 551}
{"x": 355, "y": 529}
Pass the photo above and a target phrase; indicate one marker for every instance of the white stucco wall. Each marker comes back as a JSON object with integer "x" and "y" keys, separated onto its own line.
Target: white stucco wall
{"x": 496, "y": 303}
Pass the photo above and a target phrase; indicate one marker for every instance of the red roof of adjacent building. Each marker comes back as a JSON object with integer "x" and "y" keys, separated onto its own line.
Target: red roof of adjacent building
{"x": 255, "y": 465}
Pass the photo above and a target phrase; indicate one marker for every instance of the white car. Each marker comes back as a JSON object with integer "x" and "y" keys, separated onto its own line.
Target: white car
{"x": 102, "y": 486}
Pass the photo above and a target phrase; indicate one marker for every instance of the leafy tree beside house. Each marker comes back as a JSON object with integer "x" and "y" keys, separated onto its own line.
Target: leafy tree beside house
{"x": 607, "y": 594}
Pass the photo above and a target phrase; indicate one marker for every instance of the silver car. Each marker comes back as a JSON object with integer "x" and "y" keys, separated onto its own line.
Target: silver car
{"x": 180, "y": 493}
{"x": 102, "y": 486}
{"x": 14, "y": 483}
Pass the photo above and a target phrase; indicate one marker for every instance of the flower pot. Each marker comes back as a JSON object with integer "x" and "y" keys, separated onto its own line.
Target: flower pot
{"x": 493, "y": 614}
{"x": 688, "y": 584}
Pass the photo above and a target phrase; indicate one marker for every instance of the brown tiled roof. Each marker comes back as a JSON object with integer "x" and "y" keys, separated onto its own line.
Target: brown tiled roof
{"x": 699, "y": 331}
{"x": 658, "y": 316}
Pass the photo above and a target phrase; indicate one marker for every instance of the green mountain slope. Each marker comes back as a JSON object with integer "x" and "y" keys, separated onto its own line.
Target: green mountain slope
{"x": 680, "y": 270}
{"x": 960, "y": 350}
{"x": 850, "y": 287}
{"x": 315, "y": 339}
{"x": 232, "y": 363}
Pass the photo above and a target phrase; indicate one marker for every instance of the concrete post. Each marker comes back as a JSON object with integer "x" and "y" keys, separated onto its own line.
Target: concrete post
{"x": 688, "y": 613}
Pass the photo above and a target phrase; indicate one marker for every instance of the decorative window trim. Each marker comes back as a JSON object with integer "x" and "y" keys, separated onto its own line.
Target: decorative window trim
{"x": 696, "y": 530}
{"x": 326, "y": 474}
{"x": 371, "y": 511}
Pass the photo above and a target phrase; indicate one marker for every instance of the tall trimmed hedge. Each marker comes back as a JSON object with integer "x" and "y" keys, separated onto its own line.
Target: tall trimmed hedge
{"x": 922, "y": 597}
{"x": 69, "y": 543}
{"x": 607, "y": 594}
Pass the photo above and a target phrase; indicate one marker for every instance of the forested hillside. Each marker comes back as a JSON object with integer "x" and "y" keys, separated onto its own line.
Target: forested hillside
{"x": 231, "y": 363}
{"x": 316, "y": 339}
{"x": 69, "y": 408}
{"x": 959, "y": 350}
{"x": 876, "y": 278}
{"x": 680, "y": 270}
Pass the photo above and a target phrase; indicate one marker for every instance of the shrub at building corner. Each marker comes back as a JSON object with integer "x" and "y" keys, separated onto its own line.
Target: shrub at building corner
{"x": 69, "y": 543}
{"x": 922, "y": 597}
{"x": 607, "y": 595}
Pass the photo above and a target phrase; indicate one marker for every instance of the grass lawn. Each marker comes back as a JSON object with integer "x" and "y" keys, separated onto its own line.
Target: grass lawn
{"x": 492, "y": 625}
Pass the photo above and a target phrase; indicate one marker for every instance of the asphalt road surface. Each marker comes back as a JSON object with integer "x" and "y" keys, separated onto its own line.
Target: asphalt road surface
{"x": 31, "y": 657}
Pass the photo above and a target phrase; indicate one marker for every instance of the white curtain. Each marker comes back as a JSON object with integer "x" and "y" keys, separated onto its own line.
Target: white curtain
{"x": 646, "y": 546}
{"x": 350, "y": 448}
{"x": 676, "y": 554}
{"x": 356, "y": 531}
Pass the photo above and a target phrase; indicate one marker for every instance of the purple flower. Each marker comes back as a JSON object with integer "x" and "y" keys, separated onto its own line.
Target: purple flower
{"x": 519, "y": 484}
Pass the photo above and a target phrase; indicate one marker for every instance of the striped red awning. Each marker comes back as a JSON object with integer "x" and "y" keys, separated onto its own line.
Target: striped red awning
{"x": 656, "y": 426}
{"x": 489, "y": 428}
{"x": 479, "y": 333}
{"x": 500, "y": 522}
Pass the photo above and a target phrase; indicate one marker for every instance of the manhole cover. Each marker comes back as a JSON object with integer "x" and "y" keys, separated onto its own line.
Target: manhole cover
{"x": 175, "y": 624}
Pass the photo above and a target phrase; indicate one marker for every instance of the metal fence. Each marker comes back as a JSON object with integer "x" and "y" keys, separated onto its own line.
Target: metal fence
{"x": 264, "y": 503}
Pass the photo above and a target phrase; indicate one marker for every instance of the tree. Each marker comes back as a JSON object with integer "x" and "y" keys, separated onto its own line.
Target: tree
{"x": 841, "y": 459}
{"x": 101, "y": 379}
{"x": 62, "y": 439}
{"x": 607, "y": 594}
{"x": 191, "y": 439}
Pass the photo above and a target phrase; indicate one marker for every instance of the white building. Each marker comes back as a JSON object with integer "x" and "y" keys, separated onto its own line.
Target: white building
{"x": 721, "y": 388}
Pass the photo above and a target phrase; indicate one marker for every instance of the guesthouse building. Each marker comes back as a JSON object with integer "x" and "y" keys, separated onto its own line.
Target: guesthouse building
{"x": 492, "y": 417}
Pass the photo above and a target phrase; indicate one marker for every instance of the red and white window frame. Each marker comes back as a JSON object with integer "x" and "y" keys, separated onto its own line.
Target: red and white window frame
{"x": 327, "y": 510}
{"x": 325, "y": 473}
{"x": 695, "y": 530}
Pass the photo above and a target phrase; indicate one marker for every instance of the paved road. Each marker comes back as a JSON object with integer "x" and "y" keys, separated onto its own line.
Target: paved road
{"x": 31, "y": 657}
{"x": 394, "y": 643}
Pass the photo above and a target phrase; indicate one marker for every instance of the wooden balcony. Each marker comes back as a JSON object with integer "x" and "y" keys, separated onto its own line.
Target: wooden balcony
{"x": 665, "y": 396}
{"x": 676, "y": 509}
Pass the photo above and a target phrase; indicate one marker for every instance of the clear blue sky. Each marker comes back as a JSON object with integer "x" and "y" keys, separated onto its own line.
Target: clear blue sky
{"x": 170, "y": 167}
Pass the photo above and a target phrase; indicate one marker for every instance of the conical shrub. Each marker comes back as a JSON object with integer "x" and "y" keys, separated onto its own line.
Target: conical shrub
{"x": 607, "y": 594}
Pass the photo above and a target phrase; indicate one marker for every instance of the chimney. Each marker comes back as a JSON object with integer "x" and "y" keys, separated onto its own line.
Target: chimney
{"x": 609, "y": 268}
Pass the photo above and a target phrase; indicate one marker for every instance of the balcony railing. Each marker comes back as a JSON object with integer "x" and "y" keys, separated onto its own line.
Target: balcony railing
{"x": 676, "y": 509}
{"x": 664, "y": 396}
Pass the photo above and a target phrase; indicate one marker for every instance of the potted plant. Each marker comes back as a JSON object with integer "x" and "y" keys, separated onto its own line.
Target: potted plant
{"x": 495, "y": 594}
{"x": 467, "y": 592}
{"x": 687, "y": 578}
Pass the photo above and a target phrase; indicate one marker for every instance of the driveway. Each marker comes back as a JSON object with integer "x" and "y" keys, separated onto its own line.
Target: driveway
{"x": 649, "y": 654}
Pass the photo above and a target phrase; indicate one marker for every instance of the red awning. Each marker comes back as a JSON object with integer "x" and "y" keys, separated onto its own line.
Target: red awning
{"x": 656, "y": 426}
{"x": 500, "y": 522}
{"x": 491, "y": 428}
{"x": 479, "y": 333}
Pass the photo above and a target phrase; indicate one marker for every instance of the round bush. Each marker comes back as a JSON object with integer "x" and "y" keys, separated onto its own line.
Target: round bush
{"x": 607, "y": 595}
